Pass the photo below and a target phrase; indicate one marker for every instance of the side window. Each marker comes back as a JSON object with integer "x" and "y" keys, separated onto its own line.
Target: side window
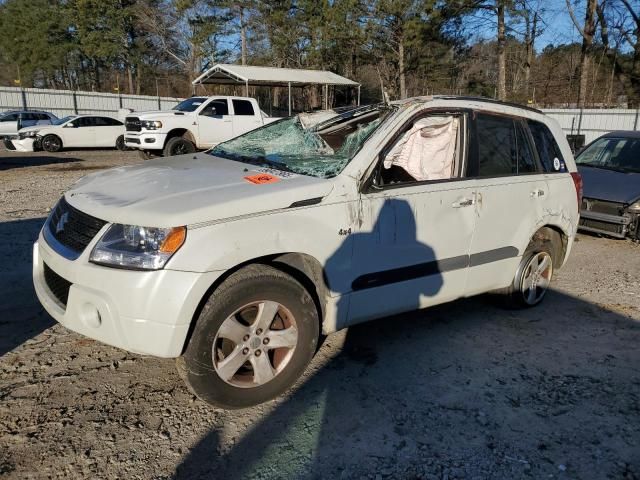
{"x": 42, "y": 116}
{"x": 526, "y": 159}
{"x": 242, "y": 107}
{"x": 427, "y": 149}
{"x": 9, "y": 118}
{"x": 29, "y": 117}
{"x": 497, "y": 148}
{"x": 547, "y": 147}
{"x": 106, "y": 122}
{"x": 216, "y": 108}
{"x": 86, "y": 122}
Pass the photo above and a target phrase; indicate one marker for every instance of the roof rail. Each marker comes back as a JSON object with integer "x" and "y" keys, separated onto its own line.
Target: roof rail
{"x": 486, "y": 100}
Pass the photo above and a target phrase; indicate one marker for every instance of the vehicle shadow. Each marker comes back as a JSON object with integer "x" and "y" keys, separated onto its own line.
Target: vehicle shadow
{"x": 21, "y": 316}
{"x": 435, "y": 394}
{"x": 28, "y": 160}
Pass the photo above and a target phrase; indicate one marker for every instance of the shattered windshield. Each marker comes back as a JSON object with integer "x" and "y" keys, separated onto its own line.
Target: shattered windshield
{"x": 303, "y": 145}
{"x": 190, "y": 104}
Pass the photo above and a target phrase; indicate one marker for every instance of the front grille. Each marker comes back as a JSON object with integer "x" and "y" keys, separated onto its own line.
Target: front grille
{"x": 57, "y": 285}
{"x": 604, "y": 226}
{"x": 601, "y": 206}
{"x": 72, "y": 228}
{"x": 132, "y": 124}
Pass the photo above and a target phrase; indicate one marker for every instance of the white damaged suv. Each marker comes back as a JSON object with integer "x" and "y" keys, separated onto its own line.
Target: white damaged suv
{"x": 236, "y": 260}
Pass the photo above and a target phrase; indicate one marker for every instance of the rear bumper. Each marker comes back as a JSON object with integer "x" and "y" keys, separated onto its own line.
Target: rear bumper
{"x": 144, "y": 140}
{"x": 612, "y": 225}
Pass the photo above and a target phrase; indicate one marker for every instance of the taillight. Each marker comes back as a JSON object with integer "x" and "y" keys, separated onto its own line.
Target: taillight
{"x": 577, "y": 182}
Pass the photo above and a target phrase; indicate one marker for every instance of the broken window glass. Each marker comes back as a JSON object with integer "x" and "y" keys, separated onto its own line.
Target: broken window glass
{"x": 321, "y": 150}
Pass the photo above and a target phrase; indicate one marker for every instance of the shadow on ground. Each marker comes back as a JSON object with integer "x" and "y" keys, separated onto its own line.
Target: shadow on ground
{"x": 30, "y": 160}
{"x": 464, "y": 390}
{"x": 21, "y": 316}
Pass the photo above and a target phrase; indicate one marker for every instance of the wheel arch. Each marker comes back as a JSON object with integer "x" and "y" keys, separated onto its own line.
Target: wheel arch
{"x": 179, "y": 132}
{"x": 305, "y": 268}
{"x": 553, "y": 233}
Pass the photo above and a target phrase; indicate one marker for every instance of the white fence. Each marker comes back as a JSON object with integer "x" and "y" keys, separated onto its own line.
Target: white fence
{"x": 593, "y": 123}
{"x": 67, "y": 102}
{"x": 589, "y": 122}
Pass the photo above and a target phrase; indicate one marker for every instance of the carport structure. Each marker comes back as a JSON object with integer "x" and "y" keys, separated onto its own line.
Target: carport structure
{"x": 225, "y": 74}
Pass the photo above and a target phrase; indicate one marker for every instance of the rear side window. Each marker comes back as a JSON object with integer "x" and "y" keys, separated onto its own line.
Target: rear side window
{"x": 107, "y": 122}
{"x": 42, "y": 116}
{"x": 496, "y": 137}
{"x": 526, "y": 159}
{"x": 242, "y": 107}
{"x": 547, "y": 147}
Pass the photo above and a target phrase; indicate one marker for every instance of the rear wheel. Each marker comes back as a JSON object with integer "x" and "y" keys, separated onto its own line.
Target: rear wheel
{"x": 534, "y": 274}
{"x": 51, "y": 143}
{"x": 253, "y": 339}
{"x": 178, "y": 146}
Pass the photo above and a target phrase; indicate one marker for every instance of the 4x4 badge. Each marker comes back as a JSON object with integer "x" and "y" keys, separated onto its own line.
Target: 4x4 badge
{"x": 61, "y": 223}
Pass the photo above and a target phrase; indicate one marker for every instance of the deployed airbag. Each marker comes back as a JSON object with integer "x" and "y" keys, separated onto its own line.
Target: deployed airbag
{"x": 427, "y": 150}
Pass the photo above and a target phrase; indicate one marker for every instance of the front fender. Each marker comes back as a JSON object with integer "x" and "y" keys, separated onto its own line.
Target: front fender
{"x": 313, "y": 230}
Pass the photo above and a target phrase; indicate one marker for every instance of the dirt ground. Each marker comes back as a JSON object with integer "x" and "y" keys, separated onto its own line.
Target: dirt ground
{"x": 465, "y": 390}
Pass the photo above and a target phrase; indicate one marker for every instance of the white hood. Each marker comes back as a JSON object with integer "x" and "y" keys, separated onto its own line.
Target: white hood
{"x": 155, "y": 114}
{"x": 187, "y": 190}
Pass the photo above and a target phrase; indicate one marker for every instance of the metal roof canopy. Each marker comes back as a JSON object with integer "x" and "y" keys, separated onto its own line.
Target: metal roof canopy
{"x": 225, "y": 74}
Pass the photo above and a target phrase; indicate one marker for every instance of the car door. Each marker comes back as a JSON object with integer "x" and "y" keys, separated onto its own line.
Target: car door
{"x": 107, "y": 131}
{"x": 511, "y": 192}
{"x": 9, "y": 124}
{"x": 214, "y": 123}
{"x": 412, "y": 248}
{"x": 81, "y": 132}
{"x": 244, "y": 117}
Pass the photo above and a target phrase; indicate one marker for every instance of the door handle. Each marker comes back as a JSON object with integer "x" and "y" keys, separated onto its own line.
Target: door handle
{"x": 465, "y": 202}
{"x": 537, "y": 193}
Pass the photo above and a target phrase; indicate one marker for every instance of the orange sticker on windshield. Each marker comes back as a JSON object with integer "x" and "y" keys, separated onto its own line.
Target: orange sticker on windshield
{"x": 262, "y": 178}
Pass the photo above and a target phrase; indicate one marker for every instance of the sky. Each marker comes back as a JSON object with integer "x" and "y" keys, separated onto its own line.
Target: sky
{"x": 558, "y": 29}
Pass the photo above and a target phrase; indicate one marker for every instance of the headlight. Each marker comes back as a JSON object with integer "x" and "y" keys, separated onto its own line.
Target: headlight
{"x": 29, "y": 134}
{"x": 634, "y": 207}
{"x": 142, "y": 248}
{"x": 151, "y": 124}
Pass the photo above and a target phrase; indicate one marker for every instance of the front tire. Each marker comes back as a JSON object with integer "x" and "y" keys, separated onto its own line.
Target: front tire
{"x": 253, "y": 339}
{"x": 51, "y": 143}
{"x": 178, "y": 146}
{"x": 120, "y": 143}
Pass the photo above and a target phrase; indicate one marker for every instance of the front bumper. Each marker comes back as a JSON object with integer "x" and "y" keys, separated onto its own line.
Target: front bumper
{"x": 24, "y": 145}
{"x": 145, "y": 140}
{"x": 142, "y": 312}
{"x": 612, "y": 225}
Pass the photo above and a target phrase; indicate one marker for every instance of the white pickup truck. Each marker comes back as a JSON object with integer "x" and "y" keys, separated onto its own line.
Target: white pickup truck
{"x": 196, "y": 123}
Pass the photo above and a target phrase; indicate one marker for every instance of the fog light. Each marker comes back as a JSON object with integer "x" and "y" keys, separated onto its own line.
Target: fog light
{"x": 149, "y": 140}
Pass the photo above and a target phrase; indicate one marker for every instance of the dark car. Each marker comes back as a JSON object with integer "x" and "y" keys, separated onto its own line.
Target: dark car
{"x": 610, "y": 168}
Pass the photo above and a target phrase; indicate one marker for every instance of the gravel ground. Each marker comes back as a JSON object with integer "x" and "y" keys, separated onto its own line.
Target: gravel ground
{"x": 465, "y": 390}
